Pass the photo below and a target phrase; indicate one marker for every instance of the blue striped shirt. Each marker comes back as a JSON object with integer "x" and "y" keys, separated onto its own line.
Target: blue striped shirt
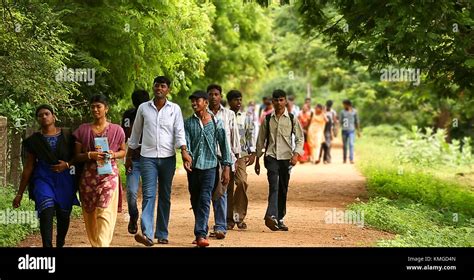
{"x": 202, "y": 143}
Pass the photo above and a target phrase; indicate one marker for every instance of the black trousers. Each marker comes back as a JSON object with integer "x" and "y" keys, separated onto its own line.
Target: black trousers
{"x": 278, "y": 175}
{"x": 46, "y": 225}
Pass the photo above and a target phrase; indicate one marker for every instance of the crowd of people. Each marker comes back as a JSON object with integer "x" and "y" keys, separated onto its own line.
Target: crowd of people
{"x": 216, "y": 143}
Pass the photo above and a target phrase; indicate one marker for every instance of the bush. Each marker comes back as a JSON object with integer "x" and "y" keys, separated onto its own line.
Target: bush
{"x": 431, "y": 149}
{"x": 12, "y": 232}
{"x": 385, "y": 130}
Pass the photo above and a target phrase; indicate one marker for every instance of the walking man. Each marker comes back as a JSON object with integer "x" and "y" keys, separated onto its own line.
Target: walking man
{"x": 237, "y": 200}
{"x": 160, "y": 124}
{"x": 219, "y": 198}
{"x": 329, "y": 134}
{"x": 276, "y": 135}
{"x": 349, "y": 123}
{"x": 204, "y": 132}
{"x": 132, "y": 164}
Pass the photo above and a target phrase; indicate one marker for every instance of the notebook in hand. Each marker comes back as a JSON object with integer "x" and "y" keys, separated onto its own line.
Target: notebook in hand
{"x": 103, "y": 166}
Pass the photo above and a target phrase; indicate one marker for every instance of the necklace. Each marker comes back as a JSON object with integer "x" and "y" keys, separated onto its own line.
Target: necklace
{"x": 99, "y": 128}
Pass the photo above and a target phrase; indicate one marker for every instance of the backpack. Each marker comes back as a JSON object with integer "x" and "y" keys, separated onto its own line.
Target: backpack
{"x": 267, "y": 122}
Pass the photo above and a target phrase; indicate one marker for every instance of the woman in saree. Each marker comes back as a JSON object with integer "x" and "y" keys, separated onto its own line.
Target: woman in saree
{"x": 51, "y": 183}
{"x": 305, "y": 118}
{"x": 316, "y": 132}
{"x": 99, "y": 193}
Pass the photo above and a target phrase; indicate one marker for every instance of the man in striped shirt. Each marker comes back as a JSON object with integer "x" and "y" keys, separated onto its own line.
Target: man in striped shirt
{"x": 204, "y": 133}
{"x": 219, "y": 199}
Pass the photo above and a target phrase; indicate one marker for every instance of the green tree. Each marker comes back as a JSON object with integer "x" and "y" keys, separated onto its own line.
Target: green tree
{"x": 128, "y": 43}
{"x": 433, "y": 36}
{"x": 238, "y": 47}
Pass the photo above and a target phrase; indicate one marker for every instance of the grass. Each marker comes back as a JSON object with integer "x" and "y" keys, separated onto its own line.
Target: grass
{"x": 11, "y": 230}
{"x": 429, "y": 207}
{"x": 417, "y": 225}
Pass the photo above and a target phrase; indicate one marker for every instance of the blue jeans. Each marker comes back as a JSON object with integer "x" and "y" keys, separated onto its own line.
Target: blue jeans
{"x": 153, "y": 169}
{"x": 133, "y": 180}
{"x": 348, "y": 140}
{"x": 200, "y": 186}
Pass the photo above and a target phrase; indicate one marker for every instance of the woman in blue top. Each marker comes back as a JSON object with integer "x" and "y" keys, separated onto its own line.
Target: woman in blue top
{"x": 49, "y": 173}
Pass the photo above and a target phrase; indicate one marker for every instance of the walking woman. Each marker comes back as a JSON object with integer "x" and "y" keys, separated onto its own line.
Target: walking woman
{"x": 99, "y": 193}
{"x": 50, "y": 182}
{"x": 316, "y": 132}
{"x": 304, "y": 118}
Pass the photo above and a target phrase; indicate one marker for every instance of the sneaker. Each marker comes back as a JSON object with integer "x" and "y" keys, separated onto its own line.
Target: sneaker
{"x": 271, "y": 223}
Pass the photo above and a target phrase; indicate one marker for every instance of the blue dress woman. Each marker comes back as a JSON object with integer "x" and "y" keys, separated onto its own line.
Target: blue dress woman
{"x": 49, "y": 175}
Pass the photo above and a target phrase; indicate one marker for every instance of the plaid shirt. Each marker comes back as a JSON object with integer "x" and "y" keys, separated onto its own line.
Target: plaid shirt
{"x": 246, "y": 128}
{"x": 202, "y": 143}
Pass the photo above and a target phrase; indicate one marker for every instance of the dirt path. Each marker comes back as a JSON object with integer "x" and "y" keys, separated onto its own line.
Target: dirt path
{"x": 314, "y": 190}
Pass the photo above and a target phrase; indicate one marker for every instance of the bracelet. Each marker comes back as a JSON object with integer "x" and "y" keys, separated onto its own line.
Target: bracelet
{"x": 89, "y": 155}
{"x": 17, "y": 195}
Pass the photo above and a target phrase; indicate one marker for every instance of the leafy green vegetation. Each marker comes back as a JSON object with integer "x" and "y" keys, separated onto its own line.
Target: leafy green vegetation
{"x": 416, "y": 224}
{"x": 424, "y": 206}
{"x": 12, "y": 232}
{"x": 431, "y": 149}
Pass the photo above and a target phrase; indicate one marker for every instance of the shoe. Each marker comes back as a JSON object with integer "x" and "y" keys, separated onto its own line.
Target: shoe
{"x": 230, "y": 226}
{"x": 202, "y": 242}
{"x": 212, "y": 234}
{"x": 220, "y": 234}
{"x": 163, "y": 241}
{"x": 344, "y": 161}
{"x": 317, "y": 162}
{"x": 132, "y": 226}
{"x": 271, "y": 223}
{"x": 242, "y": 225}
{"x": 143, "y": 239}
{"x": 282, "y": 226}
{"x": 352, "y": 162}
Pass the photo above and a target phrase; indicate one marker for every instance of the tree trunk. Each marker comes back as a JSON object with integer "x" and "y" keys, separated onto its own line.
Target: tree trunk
{"x": 444, "y": 121}
{"x": 3, "y": 151}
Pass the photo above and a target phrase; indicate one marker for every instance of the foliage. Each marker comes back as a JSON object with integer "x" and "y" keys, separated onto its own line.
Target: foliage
{"x": 30, "y": 53}
{"x": 416, "y": 224}
{"x": 238, "y": 48}
{"x": 435, "y": 37}
{"x": 432, "y": 149}
{"x": 12, "y": 233}
{"x": 385, "y": 130}
{"x": 131, "y": 42}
